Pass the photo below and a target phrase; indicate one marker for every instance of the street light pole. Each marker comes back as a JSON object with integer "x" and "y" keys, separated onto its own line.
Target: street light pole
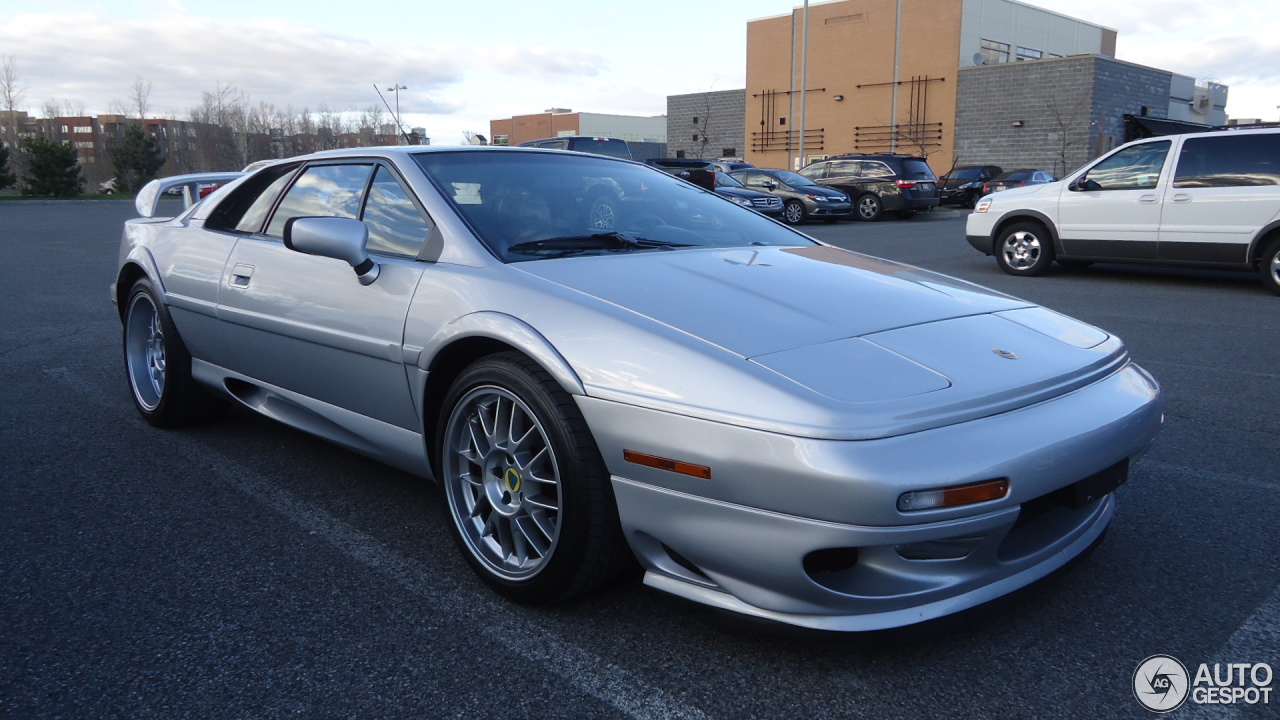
{"x": 399, "y": 127}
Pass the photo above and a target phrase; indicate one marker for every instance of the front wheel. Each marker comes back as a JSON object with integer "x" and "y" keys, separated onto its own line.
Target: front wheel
{"x": 527, "y": 492}
{"x": 1024, "y": 249}
{"x": 869, "y": 207}
{"x": 794, "y": 213}
{"x": 1269, "y": 267}
{"x": 158, "y": 365}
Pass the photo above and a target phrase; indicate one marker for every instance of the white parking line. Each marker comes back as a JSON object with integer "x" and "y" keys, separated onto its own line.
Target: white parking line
{"x": 581, "y": 669}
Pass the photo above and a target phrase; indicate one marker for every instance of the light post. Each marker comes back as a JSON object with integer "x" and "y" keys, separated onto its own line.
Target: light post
{"x": 399, "y": 128}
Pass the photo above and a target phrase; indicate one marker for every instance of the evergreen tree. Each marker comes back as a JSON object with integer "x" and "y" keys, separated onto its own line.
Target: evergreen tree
{"x": 6, "y": 177}
{"x": 137, "y": 159}
{"x": 54, "y": 170}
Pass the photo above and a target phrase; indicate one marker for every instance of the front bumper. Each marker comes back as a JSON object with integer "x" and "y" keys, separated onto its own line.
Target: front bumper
{"x": 807, "y": 532}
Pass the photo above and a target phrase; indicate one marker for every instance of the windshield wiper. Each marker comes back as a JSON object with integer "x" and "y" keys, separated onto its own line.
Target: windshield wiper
{"x": 595, "y": 241}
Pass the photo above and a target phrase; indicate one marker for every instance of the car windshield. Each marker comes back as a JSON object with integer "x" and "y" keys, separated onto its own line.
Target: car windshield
{"x": 793, "y": 179}
{"x": 963, "y": 174}
{"x": 723, "y": 180}
{"x": 1017, "y": 175}
{"x": 602, "y": 146}
{"x": 536, "y": 205}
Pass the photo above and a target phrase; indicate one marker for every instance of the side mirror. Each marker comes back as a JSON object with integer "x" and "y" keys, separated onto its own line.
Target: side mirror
{"x": 1083, "y": 184}
{"x": 771, "y": 185}
{"x": 333, "y": 237}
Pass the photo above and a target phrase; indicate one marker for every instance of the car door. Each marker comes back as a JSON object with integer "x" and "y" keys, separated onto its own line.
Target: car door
{"x": 304, "y": 323}
{"x": 1113, "y": 209}
{"x": 1225, "y": 189}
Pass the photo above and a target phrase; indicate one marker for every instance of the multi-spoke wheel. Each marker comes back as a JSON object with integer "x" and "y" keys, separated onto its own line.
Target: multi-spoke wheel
{"x": 526, "y": 489}
{"x": 158, "y": 365}
{"x": 603, "y": 212}
{"x": 868, "y": 207}
{"x": 794, "y": 213}
{"x": 1024, "y": 248}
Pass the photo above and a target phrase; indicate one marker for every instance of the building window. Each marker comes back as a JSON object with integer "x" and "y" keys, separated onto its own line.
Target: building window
{"x": 64, "y": 129}
{"x": 84, "y": 145}
{"x": 695, "y": 119}
{"x": 1029, "y": 54}
{"x": 83, "y": 129}
{"x": 501, "y": 139}
{"x": 1054, "y": 55}
{"x": 729, "y": 152}
{"x": 782, "y": 121}
{"x": 994, "y": 52}
{"x": 695, "y": 137}
{"x": 679, "y": 153}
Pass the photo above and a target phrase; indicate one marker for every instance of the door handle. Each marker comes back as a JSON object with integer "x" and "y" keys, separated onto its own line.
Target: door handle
{"x": 1148, "y": 200}
{"x": 1182, "y": 198}
{"x": 240, "y": 276}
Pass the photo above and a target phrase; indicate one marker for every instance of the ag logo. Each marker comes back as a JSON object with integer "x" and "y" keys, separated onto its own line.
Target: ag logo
{"x": 1161, "y": 683}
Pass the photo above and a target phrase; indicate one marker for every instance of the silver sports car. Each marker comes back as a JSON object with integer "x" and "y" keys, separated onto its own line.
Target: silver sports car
{"x": 597, "y": 361}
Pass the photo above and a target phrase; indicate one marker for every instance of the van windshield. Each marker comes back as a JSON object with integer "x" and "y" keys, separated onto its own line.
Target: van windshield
{"x": 612, "y": 147}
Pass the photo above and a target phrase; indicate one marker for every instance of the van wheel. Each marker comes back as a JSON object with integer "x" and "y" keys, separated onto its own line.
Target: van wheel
{"x": 1269, "y": 267}
{"x": 868, "y": 207}
{"x": 1024, "y": 249}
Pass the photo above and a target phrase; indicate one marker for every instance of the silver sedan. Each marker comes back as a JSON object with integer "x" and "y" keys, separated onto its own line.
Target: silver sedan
{"x": 600, "y": 364}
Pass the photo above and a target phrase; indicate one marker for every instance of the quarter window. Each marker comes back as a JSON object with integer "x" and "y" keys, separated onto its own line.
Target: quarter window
{"x": 1133, "y": 168}
{"x": 395, "y": 225}
{"x": 323, "y": 191}
{"x": 1229, "y": 161}
{"x": 994, "y": 52}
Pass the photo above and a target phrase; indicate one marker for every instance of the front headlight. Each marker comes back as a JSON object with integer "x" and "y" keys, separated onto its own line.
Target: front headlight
{"x": 741, "y": 201}
{"x": 982, "y": 205}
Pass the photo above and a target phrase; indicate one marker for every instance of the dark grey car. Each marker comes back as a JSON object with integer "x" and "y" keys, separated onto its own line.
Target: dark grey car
{"x": 802, "y": 198}
{"x": 879, "y": 183}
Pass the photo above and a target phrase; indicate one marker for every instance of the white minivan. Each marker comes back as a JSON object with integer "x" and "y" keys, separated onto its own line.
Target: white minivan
{"x": 1205, "y": 199}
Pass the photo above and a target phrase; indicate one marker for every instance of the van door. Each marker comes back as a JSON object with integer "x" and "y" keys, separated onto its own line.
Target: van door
{"x": 1225, "y": 189}
{"x": 1113, "y": 210}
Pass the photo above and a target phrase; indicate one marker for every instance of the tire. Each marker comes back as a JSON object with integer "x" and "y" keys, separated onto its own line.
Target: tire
{"x": 1024, "y": 248}
{"x": 603, "y": 213}
{"x": 158, "y": 365}
{"x": 794, "y": 213}
{"x": 1269, "y": 266}
{"x": 868, "y": 207}
{"x": 970, "y": 200}
{"x": 535, "y": 517}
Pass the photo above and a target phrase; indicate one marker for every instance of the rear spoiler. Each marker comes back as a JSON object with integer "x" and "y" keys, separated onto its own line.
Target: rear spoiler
{"x": 149, "y": 196}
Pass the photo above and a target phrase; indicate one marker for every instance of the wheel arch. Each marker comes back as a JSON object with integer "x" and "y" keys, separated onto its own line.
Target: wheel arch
{"x": 1027, "y": 216}
{"x": 473, "y": 337}
{"x": 137, "y": 265}
{"x": 1267, "y": 235}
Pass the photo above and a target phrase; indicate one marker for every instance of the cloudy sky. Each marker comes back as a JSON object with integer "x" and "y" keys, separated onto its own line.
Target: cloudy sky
{"x": 465, "y": 63}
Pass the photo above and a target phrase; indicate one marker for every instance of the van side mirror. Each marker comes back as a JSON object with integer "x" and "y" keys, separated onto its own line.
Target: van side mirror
{"x": 333, "y": 237}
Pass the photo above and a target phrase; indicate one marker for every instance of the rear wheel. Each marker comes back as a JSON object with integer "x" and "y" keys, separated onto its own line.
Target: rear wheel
{"x": 158, "y": 365}
{"x": 603, "y": 212}
{"x": 527, "y": 492}
{"x": 1024, "y": 249}
{"x": 794, "y": 213}
{"x": 1269, "y": 266}
{"x": 869, "y": 207}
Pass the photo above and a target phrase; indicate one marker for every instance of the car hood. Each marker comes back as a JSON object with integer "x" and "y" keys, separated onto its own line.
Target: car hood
{"x": 822, "y": 342}
{"x": 755, "y": 301}
{"x": 1024, "y": 190}
{"x": 741, "y": 192}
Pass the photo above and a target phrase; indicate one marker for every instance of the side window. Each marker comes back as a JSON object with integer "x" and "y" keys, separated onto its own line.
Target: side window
{"x": 815, "y": 172}
{"x": 323, "y": 191}
{"x": 1133, "y": 168}
{"x": 1229, "y": 161}
{"x": 843, "y": 168}
{"x": 256, "y": 215}
{"x": 395, "y": 225}
{"x": 754, "y": 179}
{"x": 876, "y": 169}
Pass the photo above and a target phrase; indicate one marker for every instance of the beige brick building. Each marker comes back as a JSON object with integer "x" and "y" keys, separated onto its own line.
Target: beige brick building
{"x": 882, "y": 74}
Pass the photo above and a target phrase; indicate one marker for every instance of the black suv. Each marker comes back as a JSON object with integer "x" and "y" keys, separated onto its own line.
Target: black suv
{"x": 612, "y": 147}
{"x": 879, "y": 183}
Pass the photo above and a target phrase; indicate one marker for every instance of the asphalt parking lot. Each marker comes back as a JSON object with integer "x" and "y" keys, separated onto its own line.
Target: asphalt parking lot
{"x": 246, "y": 570}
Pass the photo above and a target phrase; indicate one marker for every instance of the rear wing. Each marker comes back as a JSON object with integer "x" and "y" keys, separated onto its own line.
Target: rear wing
{"x": 190, "y": 185}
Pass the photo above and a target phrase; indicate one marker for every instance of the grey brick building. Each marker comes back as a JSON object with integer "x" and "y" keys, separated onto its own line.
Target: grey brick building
{"x": 709, "y": 125}
{"x": 1053, "y": 114}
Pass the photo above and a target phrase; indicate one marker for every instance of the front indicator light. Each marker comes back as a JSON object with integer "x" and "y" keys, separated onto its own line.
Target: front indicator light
{"x": 661, "y": 463}
{"x": 982, "y": 206}
{"x": 955, "y": 496}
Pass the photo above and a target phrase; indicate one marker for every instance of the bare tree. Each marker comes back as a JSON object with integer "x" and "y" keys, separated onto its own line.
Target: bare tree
{"x": 701, "y": 123}
{"x": 11, "y": 91}
{"x": 1062, "y": 135}
{"x": 53, "y": 108}
{"x": 141, "y": 97}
